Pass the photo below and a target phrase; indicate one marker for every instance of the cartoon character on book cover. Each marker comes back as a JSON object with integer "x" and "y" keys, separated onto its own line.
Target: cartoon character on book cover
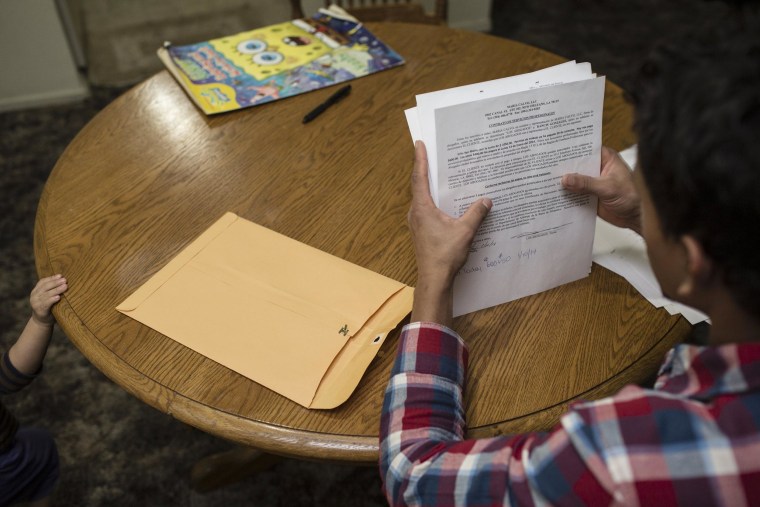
{"x": 279, "y": 61}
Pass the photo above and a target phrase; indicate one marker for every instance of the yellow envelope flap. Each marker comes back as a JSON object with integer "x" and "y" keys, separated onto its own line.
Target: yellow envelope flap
{"x": 269, "y": 307}
{"x": 349, "y": 365}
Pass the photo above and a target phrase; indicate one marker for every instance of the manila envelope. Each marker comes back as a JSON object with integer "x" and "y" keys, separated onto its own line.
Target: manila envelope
{"x": 293, "y": 318}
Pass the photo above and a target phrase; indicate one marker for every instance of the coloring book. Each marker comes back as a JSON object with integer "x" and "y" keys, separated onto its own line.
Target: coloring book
{"x": 277, "y": 61}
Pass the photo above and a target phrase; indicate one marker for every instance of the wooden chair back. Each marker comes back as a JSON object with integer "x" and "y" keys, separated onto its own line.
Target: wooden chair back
{"x": 385, "y": 10}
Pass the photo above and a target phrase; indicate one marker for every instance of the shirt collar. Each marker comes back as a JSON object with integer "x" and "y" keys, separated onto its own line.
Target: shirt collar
{"x": 706, "y": 372}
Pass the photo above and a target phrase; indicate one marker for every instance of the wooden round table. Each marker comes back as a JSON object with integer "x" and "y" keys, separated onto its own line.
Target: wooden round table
{"x": 151, "y": 172}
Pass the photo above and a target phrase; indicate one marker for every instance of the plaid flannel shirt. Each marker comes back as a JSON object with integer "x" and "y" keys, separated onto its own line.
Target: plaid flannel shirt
{"x": 692, "y": 440}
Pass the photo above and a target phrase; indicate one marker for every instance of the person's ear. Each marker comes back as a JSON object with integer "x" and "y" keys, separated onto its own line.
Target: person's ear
{"x": 699, "y": 267}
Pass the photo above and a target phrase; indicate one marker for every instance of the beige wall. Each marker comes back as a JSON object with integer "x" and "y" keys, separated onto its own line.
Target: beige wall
{"x": 38, "y": 67}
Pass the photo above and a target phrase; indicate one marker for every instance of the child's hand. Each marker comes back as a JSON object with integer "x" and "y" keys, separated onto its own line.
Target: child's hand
{"x": 45, "y": 294}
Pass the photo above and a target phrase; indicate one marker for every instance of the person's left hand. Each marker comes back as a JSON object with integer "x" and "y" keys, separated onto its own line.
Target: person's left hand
{"x": 441, "y": 242}
{"x": 45, "y": 294}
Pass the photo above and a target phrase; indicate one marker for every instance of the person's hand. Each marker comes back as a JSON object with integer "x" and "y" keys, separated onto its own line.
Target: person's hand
{"x": 618, "y": 199}
{"x": 441, "y": 243}
{"x": 45, "y": 294}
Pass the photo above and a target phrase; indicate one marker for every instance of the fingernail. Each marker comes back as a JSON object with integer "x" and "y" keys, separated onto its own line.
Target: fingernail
{"x": 568, "y": 180}
{"x": 488, "y": 203}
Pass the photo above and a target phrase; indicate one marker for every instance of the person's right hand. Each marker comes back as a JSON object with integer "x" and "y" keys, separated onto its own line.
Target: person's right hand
{"x": 441, "y": 244}
{"x": 618, "y": 199}
{"x": 45, "y": 294}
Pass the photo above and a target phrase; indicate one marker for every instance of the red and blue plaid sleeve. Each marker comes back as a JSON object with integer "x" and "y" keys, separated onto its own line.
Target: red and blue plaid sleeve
{"x": 693, "y": 440}
{"x": 425, "y": 460}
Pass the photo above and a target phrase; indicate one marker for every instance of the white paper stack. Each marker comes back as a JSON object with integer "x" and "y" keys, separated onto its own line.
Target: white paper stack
{"x": 511, "y": 140}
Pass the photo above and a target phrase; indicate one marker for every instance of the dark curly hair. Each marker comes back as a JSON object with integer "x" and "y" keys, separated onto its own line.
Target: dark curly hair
{"x": 697, "y": 104}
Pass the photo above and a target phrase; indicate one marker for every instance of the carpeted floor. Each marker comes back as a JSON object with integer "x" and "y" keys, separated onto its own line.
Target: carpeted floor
{"x": 118, "y": 451}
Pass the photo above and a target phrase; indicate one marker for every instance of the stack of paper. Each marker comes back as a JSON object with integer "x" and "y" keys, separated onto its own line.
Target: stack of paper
{"x": 512, "y": 139}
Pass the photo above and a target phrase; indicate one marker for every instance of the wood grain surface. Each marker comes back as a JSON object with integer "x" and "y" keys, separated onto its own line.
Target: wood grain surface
{"x": 151, "y": 172}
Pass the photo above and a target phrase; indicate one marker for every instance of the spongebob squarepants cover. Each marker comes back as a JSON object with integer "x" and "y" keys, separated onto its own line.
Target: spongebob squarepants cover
{"x": 278, "y": 61}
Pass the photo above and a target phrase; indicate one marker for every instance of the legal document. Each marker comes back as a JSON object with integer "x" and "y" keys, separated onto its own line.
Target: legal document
{"x": 512, "y": 140}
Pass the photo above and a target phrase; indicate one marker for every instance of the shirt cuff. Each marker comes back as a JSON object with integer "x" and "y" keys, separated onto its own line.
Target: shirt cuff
{"x": 431, "y": 349}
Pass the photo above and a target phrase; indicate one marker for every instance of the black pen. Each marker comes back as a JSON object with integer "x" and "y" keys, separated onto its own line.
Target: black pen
{"x": 335, "y": 97}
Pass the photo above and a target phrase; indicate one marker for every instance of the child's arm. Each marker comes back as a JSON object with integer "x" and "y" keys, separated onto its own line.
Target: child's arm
{"x": 27, "y": 353}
